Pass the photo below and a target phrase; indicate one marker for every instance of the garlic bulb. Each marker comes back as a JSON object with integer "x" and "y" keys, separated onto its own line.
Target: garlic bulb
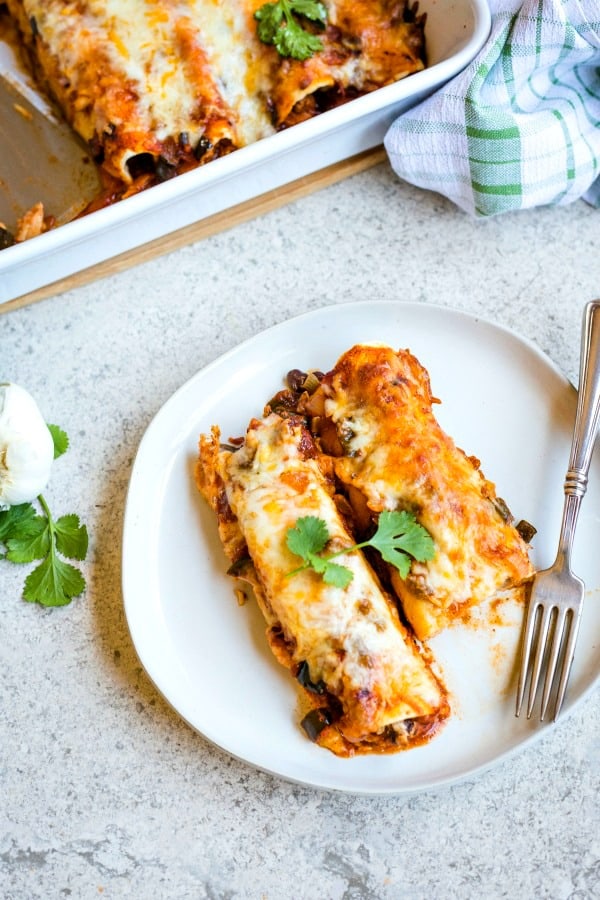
{"x": 26, "y": 447}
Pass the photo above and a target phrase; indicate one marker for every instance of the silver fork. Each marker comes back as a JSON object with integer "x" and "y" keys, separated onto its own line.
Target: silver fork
{"x": 556, "y": 599}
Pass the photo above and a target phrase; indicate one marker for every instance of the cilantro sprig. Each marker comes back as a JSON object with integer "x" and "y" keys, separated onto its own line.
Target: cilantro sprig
{"x": 280, "y": 24}
{"x": 29, "y": 537}
{"x": 399, "y": 538}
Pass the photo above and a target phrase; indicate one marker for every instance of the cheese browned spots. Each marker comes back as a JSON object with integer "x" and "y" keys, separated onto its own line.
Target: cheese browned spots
{"x": 391, "y": 453}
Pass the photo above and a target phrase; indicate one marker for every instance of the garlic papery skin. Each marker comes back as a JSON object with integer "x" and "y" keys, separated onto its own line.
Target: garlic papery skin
{"x": 26, "y": 447}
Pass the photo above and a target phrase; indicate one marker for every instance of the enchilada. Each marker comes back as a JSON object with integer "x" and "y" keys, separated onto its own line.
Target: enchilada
{"x": 370, "y": 686}
{"x": 373, "y": 413}
{"x": 156, "y": 88}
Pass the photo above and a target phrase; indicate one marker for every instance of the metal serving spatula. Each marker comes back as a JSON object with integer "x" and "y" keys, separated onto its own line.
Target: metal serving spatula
{"x": 41, "y": 159}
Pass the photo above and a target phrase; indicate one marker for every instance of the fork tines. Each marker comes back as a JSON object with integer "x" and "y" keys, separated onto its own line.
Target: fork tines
{"x": 548, "y": 646}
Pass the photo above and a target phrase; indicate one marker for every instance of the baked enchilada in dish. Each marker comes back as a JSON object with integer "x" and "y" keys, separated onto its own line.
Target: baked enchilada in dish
{"x": 363, "y": 531}
{"x": 156, "y": 87}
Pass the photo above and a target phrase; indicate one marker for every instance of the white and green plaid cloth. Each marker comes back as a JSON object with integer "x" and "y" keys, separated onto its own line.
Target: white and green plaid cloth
{"x": 520, "y": 126}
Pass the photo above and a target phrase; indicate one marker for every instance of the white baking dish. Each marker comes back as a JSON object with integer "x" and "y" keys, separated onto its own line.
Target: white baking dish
{"x": 455, "y": 31}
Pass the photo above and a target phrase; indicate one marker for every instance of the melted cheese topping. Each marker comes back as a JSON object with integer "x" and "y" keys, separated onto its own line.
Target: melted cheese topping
{"x": 134, "y": 76}
{"x": 150, "y": 71}
{"x": 351, "y": 638}
{"x": 398, "y": 457}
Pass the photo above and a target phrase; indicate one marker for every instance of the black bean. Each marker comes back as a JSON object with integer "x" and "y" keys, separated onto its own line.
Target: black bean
{"x": 315, "y": 722}
{"x": 202, "y": 147}
{"x": 303, "y": 676}
{"x": 295, "y": 379}
{"x": 164, "y": 170}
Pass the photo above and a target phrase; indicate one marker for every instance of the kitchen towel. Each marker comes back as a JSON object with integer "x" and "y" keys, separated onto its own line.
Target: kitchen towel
{"x": 520, "y": 126}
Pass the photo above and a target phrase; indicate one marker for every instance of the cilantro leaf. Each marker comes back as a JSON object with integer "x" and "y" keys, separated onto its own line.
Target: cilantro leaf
{"x": 33, "y": 544}
{"x": 71, "y": 537}
{"x": 309, "y": 536}
{"x": 60, "y": 439}
{"x": 16, "y": 521}
{"x": 338, "y": 576}
{"x": 398, "y": 534}
{"x": 318, "y": 563}
{"x": 278, "y": 25}
{"x": 307, "y": 539}
{"x": 270, "y": 19}
{"x": 310, "y": 9}
{"x": 399, "y": 538}
{"x": 53, "y": 583}
{"x": 296, "y": 43}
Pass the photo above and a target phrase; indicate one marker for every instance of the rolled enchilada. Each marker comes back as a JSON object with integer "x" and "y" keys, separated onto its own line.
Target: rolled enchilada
{"x": 373, "y": 413}
{"x": 371, "y": 687}
{"x": 159, "y": 86}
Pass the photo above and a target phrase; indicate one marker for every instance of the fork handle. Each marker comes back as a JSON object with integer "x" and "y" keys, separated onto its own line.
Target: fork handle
{"x": 588, "y": 402}
{"x": 585, "y": 430}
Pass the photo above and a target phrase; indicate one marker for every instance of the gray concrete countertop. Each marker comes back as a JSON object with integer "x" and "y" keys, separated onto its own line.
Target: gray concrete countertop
{"x": 104, "y": 790}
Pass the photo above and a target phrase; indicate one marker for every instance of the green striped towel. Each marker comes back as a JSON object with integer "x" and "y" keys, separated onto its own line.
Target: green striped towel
{"x": 520, "y": 126}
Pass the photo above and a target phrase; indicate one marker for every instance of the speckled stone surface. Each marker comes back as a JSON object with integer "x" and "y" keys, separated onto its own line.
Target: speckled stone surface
{"x": 104, "y": 791}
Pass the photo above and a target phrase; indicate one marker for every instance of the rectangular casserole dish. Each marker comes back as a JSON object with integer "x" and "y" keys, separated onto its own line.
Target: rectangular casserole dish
{"x": 455, "y": 31}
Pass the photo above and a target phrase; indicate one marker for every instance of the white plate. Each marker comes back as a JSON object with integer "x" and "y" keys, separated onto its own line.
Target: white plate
{"x": 503, "y": 401}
